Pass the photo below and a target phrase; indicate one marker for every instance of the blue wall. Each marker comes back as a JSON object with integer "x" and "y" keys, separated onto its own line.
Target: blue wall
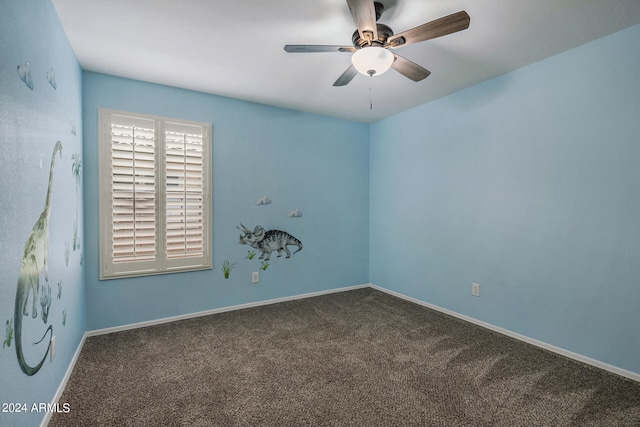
{"x": 300, "y": 161}
{"x": 33, "y": 116}
{"x": 528, "y": 184}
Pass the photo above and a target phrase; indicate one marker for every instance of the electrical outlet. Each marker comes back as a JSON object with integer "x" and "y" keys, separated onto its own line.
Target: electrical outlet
{"x": 52, "y": 350}
{"x": 475, "y": 289}
{"x": 255, "y": 277}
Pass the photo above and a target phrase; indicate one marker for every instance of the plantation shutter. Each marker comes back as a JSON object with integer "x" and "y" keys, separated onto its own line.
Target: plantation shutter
{"x": 184, "y": 178}
{"x": 155, "y": 198}
{"x": 133, "y": 196}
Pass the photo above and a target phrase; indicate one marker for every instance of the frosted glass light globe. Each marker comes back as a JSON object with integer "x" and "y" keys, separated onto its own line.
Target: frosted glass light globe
{"x": 372, "y": 60}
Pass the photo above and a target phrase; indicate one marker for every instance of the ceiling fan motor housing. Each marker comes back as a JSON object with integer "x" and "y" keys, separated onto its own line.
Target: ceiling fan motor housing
{"x": 384, "y": 32}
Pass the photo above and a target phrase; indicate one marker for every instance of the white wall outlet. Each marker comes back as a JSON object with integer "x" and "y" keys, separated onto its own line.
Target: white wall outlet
{"x": 255, "y": 277}
{"x": 52, "y": 351}
{"x": 475, "y": 289}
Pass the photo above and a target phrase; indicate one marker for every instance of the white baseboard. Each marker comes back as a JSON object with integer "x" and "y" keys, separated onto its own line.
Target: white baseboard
{"x": 584, "y": 359}
{"x": 65, "y": 380}
{"x": 218, "y": 310}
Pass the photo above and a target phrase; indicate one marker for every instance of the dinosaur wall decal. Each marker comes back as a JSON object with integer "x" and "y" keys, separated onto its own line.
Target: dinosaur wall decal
{"x": 268, "y": 241}
{"x": 34, "y": 262}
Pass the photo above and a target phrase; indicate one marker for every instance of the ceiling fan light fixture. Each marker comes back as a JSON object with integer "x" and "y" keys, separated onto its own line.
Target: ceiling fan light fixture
{"x": 372, "y": 60}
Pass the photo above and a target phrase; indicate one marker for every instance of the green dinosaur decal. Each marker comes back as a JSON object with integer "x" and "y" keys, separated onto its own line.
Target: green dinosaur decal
{"x": 34, "y": 262}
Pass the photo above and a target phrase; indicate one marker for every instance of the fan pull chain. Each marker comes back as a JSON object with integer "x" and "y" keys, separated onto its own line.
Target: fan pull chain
{"x": 371, "y": 93}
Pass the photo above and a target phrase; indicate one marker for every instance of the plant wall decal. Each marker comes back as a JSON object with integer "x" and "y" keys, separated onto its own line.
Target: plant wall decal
{"x": 227, "y": 266}
{"x": 76, "y": 164}
{"x": 51, "y": 78}
{"x": 24, "y": 71}
{"x": 8, "y": 333}
{"x": 45, "y": 303}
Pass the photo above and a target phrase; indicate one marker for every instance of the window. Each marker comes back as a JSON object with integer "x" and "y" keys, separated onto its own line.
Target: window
{"x": 155, "y": 201}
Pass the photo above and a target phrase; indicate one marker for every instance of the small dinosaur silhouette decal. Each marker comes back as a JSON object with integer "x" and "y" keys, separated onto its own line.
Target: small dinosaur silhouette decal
{"x": 34, "y": 262}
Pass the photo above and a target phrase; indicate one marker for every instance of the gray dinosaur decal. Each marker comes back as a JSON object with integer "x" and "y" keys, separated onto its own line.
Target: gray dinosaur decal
{"x": 34, "y": 262}
{"x": 268, "y": 241}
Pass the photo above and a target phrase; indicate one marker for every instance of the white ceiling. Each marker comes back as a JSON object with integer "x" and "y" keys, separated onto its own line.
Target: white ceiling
{"x": 234, "y": 48}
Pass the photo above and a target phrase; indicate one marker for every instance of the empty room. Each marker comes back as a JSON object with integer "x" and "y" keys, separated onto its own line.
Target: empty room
{"x": 329, "y": 212}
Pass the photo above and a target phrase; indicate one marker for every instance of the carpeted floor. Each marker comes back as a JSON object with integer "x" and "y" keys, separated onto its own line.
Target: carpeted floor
{"x": 356, "y": 358}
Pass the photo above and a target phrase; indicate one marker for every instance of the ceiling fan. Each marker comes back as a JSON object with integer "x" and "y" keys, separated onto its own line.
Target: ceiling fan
{"x": 372, "y": 41}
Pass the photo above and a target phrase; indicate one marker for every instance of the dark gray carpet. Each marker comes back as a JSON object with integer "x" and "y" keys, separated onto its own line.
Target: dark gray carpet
{"x": 356, "y": 358}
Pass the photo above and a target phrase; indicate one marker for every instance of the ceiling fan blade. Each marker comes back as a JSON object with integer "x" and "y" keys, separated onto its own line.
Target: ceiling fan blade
{"x": 364, "y": 15}
{"x": 409, "y": 69}
{"x": 440, "y": 27}
{"x": 311, "y": 48}
{"x": 347, "y": 76}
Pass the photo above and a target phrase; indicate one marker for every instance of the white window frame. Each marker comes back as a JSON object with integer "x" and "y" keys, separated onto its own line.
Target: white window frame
{"x": 161, "y": 263}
